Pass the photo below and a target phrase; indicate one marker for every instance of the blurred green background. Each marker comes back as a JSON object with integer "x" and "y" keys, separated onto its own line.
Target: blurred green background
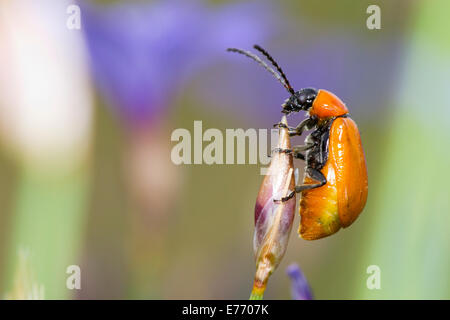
{"x": 86, "y": 117}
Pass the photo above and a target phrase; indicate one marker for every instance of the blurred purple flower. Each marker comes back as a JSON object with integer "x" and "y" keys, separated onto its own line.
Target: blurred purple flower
{"x": 300, "y": 289}
{"x": 141, "y": 53}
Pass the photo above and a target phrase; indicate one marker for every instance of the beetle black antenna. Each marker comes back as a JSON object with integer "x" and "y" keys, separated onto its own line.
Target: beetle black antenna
{"x": 264, "y": 65}
{"x": 275, "y": 64}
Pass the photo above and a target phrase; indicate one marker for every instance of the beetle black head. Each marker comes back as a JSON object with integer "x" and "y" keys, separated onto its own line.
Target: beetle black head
{"x": 300, "y": 100}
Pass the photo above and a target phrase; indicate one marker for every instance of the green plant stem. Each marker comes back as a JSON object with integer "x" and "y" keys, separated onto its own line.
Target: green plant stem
{"x": 48, "y": 221}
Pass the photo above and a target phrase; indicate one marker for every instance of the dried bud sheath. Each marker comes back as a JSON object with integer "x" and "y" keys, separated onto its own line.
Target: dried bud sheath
{"x": 273, "y": 217}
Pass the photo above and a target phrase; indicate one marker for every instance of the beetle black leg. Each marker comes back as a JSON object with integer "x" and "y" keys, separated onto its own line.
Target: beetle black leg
{"x": 299, "y": 155}
{"x": 291, "y": 130}
{"x": 287, "y": 151}
{"x": 297, "y": 151}
{"x": 306, "y": 124}
{"x": 284, "y": 199}
{"x": 282, "y": 125}
{"x": 313, "y": 174}
{"x": 297, "y": 131}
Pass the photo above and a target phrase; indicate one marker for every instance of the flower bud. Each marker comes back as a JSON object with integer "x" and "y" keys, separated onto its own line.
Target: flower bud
{"x": 274, "y": 216}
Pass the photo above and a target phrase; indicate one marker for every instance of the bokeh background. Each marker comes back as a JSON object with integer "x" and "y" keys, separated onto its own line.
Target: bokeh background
{"x": 86, "y": 117}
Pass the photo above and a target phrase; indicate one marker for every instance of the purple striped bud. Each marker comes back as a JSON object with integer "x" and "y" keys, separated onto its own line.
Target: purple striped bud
{"x": 274, "y": 216}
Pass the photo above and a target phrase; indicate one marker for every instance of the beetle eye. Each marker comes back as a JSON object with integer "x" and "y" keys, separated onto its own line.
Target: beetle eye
{"x": 301, "y": 99}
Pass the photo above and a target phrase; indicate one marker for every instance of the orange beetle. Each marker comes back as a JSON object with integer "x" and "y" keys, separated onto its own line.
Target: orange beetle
{"x": 335, "y": 185}
{"x": 334, "y": 189}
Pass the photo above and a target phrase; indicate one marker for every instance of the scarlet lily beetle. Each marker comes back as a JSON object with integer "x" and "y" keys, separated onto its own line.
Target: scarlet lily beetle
{"x": 335, "y": 186}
